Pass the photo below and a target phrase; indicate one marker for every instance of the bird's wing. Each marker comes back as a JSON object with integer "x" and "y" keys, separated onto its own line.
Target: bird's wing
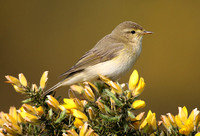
{"x": 95, "y": 56}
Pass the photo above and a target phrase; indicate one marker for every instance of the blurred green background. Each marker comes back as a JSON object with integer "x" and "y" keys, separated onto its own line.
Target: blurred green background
{"x": 52, "y": 35}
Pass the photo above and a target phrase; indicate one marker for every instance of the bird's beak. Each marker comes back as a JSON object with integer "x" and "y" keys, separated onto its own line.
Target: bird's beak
{"x": 147, "y": 32}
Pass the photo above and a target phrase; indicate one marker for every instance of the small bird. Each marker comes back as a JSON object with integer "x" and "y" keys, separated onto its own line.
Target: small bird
{"x": 112, "y": 56}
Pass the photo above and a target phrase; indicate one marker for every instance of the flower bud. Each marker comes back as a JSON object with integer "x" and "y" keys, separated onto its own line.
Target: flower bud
{"x": 52, "y": 103}
{"x": 88, "y": 93}
{"x": 101, "y": 107}
{"x": 91, "y": 113}
{"x": 79, "y": 104}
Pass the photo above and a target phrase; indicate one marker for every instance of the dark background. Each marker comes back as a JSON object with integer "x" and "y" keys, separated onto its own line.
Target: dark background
{"x": 52, "y": 35}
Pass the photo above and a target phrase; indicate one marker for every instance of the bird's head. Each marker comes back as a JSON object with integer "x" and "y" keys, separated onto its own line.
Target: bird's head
{"x": 129, "y": 31}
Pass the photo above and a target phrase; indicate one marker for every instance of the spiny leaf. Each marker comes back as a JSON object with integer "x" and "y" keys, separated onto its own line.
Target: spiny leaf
{"x": 110, "y": 94}
{"x": 27, "y": 100}
{"x": 62, "y": 117}
{"x": 110, "y": 118}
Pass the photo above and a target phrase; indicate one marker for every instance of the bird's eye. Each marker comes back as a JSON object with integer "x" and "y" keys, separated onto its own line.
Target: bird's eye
{"x": 133, "y": 32}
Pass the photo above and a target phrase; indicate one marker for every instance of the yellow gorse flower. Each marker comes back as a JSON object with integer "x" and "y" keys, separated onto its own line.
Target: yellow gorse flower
{"x": 10, "y": 123}
{"x": 186, "y": 124}
{"x": 149, "y": 122}
{"x": 30, "y": 114}
{"x": 136, "y": 85}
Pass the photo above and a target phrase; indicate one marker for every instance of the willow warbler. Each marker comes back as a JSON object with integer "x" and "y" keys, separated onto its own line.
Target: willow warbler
{"x": 112, "y": 56}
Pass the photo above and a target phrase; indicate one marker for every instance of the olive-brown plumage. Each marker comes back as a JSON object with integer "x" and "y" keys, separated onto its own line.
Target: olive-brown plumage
{"x": 112, "y": 56}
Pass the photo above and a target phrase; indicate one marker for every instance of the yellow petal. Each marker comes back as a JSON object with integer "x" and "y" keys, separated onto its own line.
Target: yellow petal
{"x": 77, "y": 88}
{"x": 153, "y": 122}
{"x": 9, "y": 129}
{"x": 105, "y": 79}
{"x": 91, "y": 113}
{"x": 13, "y": 112}
{"x": 93, "y": 87}
{"x": 19, "y": 89}
{"x": 7, "y": 118}
{"x": 171, "y": 119}
{"x": 184, "y": 130}
{"x": 71, "y": 94}
{"x": 78, "y": 114}
{"x": 117, "y": 88}
{"x": 52, "y": 99}
{"x": 178, "y": 121}
{"x": 197, "y": 134}
{"x": 78, "y": 123}
{"x": 138, "y": 104}
{"x": 72, "y": 132}
{"x": 133, "y": 80}
{"x": 166, "y": 122}
{"x": 79, "y": 104}
{"x": 13, "y": 80}
{"x": 194, "y": 116}
{"x": 62, "y": 108}
{"x": 35, "y": 88}
{"x": 40, "y": 111}
{"x": 83, "y": 129}
{"x": 52, "y": 103}
{"x": 30, "y": 109}
{"x": 84, "y": 102}
{"x": 139, "y": 89}
{"x": 22, "y": 80}
{"x": 19, "y": 118}
{"x": 1, "y": 123}
{"x": 44, "y": 79}
{"x": 69, "y": 103}
{"x": 183, "y": 114}
{"x": 29, "y": 117}
{"x": 140, "y": 116}
{"x": 88, "y": 93}
{"x": 144, "y": 123}
{"x": 90, "y": 132}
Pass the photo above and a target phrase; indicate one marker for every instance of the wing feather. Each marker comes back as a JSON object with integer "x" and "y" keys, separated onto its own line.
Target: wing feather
{"x": 100, "y": 53}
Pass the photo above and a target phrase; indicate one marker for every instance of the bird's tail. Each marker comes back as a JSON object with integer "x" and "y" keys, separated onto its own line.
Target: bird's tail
{"x": 59, "y": 84}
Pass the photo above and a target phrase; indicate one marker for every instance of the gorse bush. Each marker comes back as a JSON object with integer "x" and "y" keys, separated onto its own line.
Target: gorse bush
{"x": 105, "y": 108}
